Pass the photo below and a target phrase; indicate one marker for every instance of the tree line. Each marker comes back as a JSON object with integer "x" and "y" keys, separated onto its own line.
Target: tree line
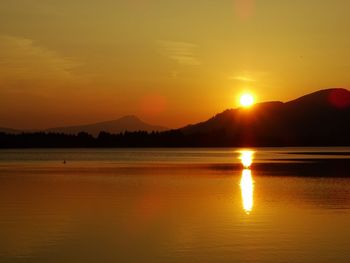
{"x": 171, "y": 138}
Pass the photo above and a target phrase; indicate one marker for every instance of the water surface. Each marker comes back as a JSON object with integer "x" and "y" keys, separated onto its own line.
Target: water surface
{"x": 175, "y": 205}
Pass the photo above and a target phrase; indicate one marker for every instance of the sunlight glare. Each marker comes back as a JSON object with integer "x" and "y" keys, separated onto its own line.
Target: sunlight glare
{"x": 246, "y": 158}
{"x": 246, "y": 100}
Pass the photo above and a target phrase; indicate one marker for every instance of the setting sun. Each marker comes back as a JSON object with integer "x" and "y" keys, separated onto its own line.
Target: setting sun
{"x": 246, "y": 100}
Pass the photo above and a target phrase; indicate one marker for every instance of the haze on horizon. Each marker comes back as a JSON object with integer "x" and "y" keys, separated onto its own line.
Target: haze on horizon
{"x": 168, "y": 62}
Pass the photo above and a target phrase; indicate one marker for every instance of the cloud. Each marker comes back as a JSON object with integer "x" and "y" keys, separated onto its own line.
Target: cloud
{"x": 248, "y": 76}
{"x": 242, "y": 78}
{"x": 22, "y": 59}
{"x": 182, "y": 52}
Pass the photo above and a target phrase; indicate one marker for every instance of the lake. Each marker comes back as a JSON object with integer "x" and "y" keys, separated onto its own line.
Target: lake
{"x": 175, "y": 205}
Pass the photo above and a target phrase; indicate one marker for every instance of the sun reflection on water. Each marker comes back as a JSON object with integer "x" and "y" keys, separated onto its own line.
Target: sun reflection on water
{"x": 246, "y": 158}
{"x": 247, "y": 189}
{"x": 247, "y": 182}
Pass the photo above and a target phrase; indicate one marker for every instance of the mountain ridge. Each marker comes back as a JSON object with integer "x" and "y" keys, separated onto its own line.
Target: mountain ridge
{"x": 129, "y": 123}
{"x": 321, "y": 118}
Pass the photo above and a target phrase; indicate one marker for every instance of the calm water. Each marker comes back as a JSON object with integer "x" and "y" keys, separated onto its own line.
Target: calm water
{"x": 175, "y": 205}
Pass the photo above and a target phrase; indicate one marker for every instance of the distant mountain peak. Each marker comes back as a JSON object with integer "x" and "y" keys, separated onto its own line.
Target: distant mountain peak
{"x": 126, "y": 123}
{"x": 129, "y": 117}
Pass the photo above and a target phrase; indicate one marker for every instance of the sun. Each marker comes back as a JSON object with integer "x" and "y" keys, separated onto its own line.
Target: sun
{"x": 246, "y": 100}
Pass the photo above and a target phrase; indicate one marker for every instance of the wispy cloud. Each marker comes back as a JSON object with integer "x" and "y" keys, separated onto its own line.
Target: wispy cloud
{"x": 182, "y": 52}
{"x": 242, "y": 78}
{"x": 248, "y": 76}
{"x": 24, "y": 59}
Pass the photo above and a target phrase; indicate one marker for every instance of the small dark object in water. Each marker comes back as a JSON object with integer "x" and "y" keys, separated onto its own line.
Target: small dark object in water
{"x": 64, "y": 161}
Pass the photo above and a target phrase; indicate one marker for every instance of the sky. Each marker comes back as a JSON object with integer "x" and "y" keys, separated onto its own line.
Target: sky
{"x": 169, "y": 62}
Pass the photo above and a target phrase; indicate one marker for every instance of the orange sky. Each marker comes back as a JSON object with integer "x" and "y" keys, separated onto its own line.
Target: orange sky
{"x": 169, "y": 62}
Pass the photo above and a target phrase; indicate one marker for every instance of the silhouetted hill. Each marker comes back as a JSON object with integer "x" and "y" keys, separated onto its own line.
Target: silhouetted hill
{"x": 320, "y": 118}
{"x": 126, "y": 123}
{"x": 231, "y": 119}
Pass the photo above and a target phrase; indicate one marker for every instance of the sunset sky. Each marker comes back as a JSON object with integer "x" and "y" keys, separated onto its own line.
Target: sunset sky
{"x": 169, "y": 62}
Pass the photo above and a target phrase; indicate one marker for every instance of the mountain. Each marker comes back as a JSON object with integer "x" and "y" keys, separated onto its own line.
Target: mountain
{"x": 319, "y": 118}
{"x": 126, "y": 123}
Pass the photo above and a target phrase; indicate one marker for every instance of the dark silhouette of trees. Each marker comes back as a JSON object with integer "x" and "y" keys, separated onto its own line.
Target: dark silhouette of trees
{"x": 172, "y": 138}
